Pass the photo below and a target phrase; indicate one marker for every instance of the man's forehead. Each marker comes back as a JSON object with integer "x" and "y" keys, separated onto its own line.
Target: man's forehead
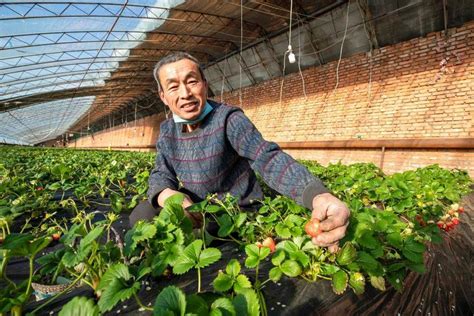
{"x": 179, "y": 68}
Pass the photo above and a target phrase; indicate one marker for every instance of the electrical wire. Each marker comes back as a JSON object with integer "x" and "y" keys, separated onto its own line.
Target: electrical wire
{"x": 342, "y": 47}
{"x": 299, "y": 61}
{"x": 241, "y": 47}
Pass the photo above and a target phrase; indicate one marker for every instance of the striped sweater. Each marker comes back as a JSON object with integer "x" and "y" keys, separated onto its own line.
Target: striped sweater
{"x": 221, "y": 156}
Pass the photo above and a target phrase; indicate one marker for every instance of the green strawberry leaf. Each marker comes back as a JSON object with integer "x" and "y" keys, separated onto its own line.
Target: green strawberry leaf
{"x": 396, "y": 279}
{"x": 414, "y": 246}
{"x": 419, "y": 268}
{"x": 282, "y": 230}
{"x": 197, "y": 207}
{"x": 166, "y": 257}
{"x": 226, "y": 225}
{"x": 240, "y": 304}
{"x": 378, "y": 282}
{"x": 380, "y": 225}
{"x": 196, "y": 305}
{"x": 140, "y": 232}
{"x": 17, "y": 244}
{"x": 170, "y": 301}
{"x": 301, "y": 257}
{"x": 339, "y": 282}
{"x": 252, "y": 250}
{"x": 291, "y": 268}
{"x": 275, "y": 274}
{"x": 328, "y": 269}
{"x": 213, "y": 208}
{"x": 242, "y": 281}
{"x": 255, "y": 255}
{"x": 177, "y": 199}
{"x": 263, "y": 253}
{"x": 240, "y": 219}
{"x": 208, "y": 256}
{"x": 69, "y": 259}
{"x": 278, "y": 257}
{"x": 116, "y": 291}
{"x": 90, "y": 237}
{"x": 224, "y": 306}
{"x": 143, "y": 231}
{"x": 223, "y": 282}
{"x": 233, "y": 267}
{"x": 251, "y": 303}
{"x": 117, "y": 271}
{"x": 368, "y": 263}
{"x": 367, "y": 240}
{"x": 395, "y": 240}
{"x": 251, "y": 262}
{"x": 357, "y": 282}
{"x": 347, "y": 254}
{"x": 415, "y": 257}
{"x": 80, "y": 306}
{"x": 183, "y": 264}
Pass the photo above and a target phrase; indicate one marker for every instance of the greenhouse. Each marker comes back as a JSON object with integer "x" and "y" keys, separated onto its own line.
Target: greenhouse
{"x": 257, "y": 157}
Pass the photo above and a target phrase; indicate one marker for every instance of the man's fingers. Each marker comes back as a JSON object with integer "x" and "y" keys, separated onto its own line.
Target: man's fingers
{"x": 196, "y": 218}
{"x": 334, "y": 248}
{"x": 319, "y": 213}
{"x": 327, "y": 239}
{"x": 332, "y": 222}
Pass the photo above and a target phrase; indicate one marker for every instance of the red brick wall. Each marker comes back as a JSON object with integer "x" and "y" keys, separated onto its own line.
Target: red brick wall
{"x": 139, "y": 136}
{"x": 412, "y": 95}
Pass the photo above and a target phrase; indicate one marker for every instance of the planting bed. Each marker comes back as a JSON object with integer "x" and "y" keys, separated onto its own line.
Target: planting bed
{"x": 65, "y": 213}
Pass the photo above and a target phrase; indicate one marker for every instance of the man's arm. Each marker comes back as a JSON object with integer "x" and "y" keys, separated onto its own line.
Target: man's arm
{"x": 161, "y": 177}
{"x": 163, "y": 184}
{"x": 287, "y": 176}
{"x": 279, "y": 170}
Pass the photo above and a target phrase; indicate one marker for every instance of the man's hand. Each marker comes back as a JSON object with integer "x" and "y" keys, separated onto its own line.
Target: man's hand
{"x": 333, "y": 215}
{"x": 196, "y": 218}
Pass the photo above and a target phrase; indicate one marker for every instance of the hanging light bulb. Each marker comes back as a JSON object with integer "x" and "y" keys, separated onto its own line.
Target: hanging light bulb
{"x": 291, "y": 56}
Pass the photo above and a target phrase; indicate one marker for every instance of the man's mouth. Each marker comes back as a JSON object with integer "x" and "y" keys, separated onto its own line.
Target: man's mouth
{"x": 190, "y": 106}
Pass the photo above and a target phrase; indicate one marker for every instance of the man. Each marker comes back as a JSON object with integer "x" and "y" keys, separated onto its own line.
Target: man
{"x": 210, "y": 147}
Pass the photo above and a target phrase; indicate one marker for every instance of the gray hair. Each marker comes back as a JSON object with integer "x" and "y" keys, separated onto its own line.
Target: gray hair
{"x": 172, "y": 58}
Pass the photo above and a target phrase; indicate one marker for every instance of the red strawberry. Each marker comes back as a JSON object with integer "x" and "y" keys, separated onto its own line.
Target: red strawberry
{"x": 461, "y": 209}
{"x": 56, "y": 236}
{"x": 420, "y": 220}
{"x": 455, "y": 221}
{"x": 440, "y": 224}
{"x": 312, "y": 227}
{"x": 450, "y": 225}
{"x": 270, "y": 243}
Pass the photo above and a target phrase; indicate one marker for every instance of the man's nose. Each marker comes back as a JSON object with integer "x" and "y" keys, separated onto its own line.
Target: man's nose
{"x": 184, "y": 91}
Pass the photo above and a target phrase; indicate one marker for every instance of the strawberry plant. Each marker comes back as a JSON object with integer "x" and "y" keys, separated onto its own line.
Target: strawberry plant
{"x": 194, "y": 256}
{"x": 393, "y": 218}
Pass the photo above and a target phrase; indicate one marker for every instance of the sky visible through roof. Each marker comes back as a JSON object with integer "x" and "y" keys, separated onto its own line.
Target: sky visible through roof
{"x": 49, "y": 46}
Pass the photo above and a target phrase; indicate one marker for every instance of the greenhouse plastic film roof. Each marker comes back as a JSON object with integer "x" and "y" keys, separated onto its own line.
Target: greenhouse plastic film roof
{"x": 70, "y": 67}
{"x": 58, "y": 46}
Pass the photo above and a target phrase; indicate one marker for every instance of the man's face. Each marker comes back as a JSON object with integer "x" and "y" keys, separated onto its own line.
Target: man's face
{"x": 184, "y": 91}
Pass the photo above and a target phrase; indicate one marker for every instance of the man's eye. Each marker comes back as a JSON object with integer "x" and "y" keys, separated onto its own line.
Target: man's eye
{"x": 172, "y": 88}
{"x": 192, "y": 81}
